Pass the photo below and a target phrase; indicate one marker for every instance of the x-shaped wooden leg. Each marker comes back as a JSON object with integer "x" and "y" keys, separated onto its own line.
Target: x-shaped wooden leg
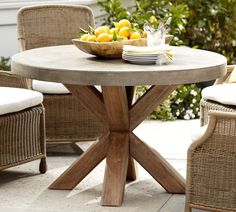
{"x": 119, "y": 144}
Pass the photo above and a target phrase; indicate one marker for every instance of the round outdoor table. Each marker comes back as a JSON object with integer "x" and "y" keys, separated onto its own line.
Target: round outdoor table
{"x": 79, "y": 72}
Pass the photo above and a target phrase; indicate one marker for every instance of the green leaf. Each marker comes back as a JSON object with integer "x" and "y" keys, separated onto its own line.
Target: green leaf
{"x": 83, "y": 31}
{"x": 131, "y": 30}
{"x": 91, "y": 30}
{"x": 114, "y": 37}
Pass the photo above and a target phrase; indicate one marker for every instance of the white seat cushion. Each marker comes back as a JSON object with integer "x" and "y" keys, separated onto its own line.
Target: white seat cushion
{"x": 223, "y": 93}
{"x": 49, "y": 87}
{"x": 17, "y": 99}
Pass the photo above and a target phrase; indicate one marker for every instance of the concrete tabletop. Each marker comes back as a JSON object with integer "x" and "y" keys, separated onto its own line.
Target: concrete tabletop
{"x": 69, "y": 65}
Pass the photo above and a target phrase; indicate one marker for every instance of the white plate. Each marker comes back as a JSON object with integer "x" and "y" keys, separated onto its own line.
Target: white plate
{"x": 140, "y": 58}
{"x": 143, "y": 59}
{"x": 140, "y": 55}
{"x": 139, "y": 61}
{"x": 142, "y": 62}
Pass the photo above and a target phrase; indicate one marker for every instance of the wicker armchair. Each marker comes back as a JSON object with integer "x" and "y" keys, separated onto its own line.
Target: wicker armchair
{"x": 22, "y": 128}
{"x": 48, "y": 25}
{"x": 7, "y": 79}
{"x": 211, "y": 163}
{"x": 211, "y": 166}
{"x": 207, "y": 104}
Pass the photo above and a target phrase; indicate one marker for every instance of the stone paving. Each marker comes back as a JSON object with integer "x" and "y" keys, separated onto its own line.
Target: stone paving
{"x": 23, "y": 189}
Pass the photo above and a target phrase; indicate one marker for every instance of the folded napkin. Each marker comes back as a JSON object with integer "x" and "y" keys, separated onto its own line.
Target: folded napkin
{"x": 160, "y": 49}
{"x": 165, "y": 51}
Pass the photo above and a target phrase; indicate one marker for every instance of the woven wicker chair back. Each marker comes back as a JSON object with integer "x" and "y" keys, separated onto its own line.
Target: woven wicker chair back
{"x": 7, "y": 79}
{"x": 49, "y": 25}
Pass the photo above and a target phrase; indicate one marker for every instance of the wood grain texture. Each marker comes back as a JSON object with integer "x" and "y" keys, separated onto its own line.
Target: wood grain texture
{"x": 77, "y": 70}
{"x": 157, "y": 166}
{"x": 82, "y": 167}
{"x": 117, "y": 101}
{"x": 148, "y": 102}
{"x": 91, "y": 98}
{"x": 116, "y": 169}
{"x": 116, "y": 104}
{"x": 132, "y": 172}
{"x": 107, "y": 49}
{"x": 130, "y": 91}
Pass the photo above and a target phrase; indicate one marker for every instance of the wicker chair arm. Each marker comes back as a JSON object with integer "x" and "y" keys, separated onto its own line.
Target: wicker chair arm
{"x": 221, "y": 114}
{"x": 211, "y": 165}
{"x": 217, "y": 120}
{"x": 230, "y": 68}
{"x": 7, "y": 79}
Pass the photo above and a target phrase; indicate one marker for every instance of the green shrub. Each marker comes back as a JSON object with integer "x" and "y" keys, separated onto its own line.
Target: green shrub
{"x": 183, "y": 103}
{"x": 205, "y": 24}
{"x": 5, "y": 64}
{"x": 211, "y": 25}
{"x": 144, "y": 10}
{"x": 114, "y": 11}
{"x": 162, "y": 112}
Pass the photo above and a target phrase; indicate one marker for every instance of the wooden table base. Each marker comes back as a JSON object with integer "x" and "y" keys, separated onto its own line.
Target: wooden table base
{"x": 119, "y": 144}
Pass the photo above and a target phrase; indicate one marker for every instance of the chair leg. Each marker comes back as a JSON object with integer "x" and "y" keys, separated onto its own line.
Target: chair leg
{"x": 43, "y": 165}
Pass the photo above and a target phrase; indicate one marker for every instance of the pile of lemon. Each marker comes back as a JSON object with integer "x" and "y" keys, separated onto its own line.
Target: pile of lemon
{"x": 122, "y": 31}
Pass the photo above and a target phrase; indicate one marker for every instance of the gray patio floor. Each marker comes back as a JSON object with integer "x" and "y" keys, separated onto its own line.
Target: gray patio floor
{"x": 22, "y": 188}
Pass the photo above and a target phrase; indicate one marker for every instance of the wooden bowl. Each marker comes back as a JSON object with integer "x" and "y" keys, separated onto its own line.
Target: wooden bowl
{"x": 110, "y": 49}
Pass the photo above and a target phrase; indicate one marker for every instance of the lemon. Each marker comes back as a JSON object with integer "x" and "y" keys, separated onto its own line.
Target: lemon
{"x": 135, "y": 35}
{"x": 153, "y": 20}
{"x": 111, "y": 37}
{"x": 84, "y": 37}
{"x": 99, "y": 31}
{"x": 123, "y": 23}
{"x": 124, "y": 38}
{"x": 103, "y": 37}
{"x": 92, "y": 38}
{"x": 124, "y": 31}
{"x": 114, "y": 30}
{"x": 107, "y": 29}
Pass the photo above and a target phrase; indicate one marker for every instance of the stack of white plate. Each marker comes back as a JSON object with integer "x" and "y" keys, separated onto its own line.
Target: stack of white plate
{"x": 141, "y": 58}
{"x": 146, "y": 55}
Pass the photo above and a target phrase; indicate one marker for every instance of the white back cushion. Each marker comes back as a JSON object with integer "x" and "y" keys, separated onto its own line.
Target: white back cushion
{"x": 52, "y": 87}
{"x": 49, "y": 87}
